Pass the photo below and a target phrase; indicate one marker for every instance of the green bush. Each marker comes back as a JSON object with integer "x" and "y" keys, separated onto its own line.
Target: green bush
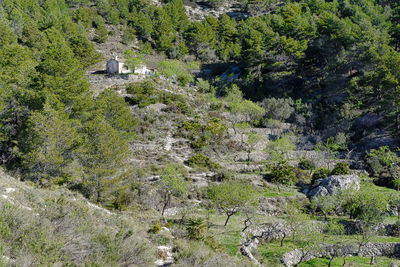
{"x": 396, "y": 230}
{"x": 200, "y": 160}
{"x": 283, "y": 173}
{"x": 197, "y": 228}
{"x": 128, "y": 36}
{"x": 201, "y": 135}
{"x": 178, "y": 70}
{"x": 155, "y": 228}
{"x": 306, "y": 164}
{"x": 381, "y": 160}
{"x": 341, "y": 168}
{"x": 143, "y": 94}
{"x": 222, "y": 175}
{"x": 321, "y": 173}
{"x": 333, "y": 144}
{"x": 278, "y": 108}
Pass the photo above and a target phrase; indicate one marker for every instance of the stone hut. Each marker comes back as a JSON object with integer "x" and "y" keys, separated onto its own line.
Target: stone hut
{"x": 116, "y": 66}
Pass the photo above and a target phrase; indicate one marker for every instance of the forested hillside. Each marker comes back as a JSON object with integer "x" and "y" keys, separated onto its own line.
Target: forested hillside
{"x": 266, "y": 133}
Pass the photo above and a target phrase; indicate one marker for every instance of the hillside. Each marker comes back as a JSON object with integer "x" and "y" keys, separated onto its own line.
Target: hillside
{"x": 245, "y": 133}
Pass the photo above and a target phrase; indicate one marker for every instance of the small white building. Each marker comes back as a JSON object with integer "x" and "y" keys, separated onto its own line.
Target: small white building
{"x": 143, "y": 70}
{"x": 118, "y": 66}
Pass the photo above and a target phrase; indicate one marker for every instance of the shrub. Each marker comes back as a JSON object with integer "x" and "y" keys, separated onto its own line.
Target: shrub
{"x": 333, "y": 144}
{"x": 129, "y": 35}
{"x": 396, "y": 230}
{"x": 283, "y": 173}
{"x": 142, "y": 93}
{"x": 306, "y": 164}
{"x": 155, "y": 228}
{"x": 197, "y": 228}
{"x": 381, "y": 160}
{"x": 222, "y": 175}
{"x": 200, "y": 135}
{"x": 303, "y": 175}
{"x": 278, "y": 108}
{"x": 341, "y": 168}
{"x": 178, "y": 70}
{"x": 320, "y": 173}
{"x": 200, "y": 160}
{"x": 203, "y": 85}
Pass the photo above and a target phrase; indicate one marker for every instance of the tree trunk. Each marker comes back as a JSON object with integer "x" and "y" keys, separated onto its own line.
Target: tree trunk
{"x": 227, "y": 219}
{"x": 330, "y": 262}
{"x": 283, "y": 239}
{"x": 165, "y": 206}
{"x": 245, "y": 224}
{"x": 372, "y": 259}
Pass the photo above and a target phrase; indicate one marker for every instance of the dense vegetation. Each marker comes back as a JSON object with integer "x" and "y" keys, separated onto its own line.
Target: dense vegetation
{"x": 287, "y": 78}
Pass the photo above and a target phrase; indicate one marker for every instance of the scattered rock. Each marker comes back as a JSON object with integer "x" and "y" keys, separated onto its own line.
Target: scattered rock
{"x": 158, "y": 107}
{"x": 164, "y": 254}
{"x": 332, "y": 185}
{"x": 246, "y": 250}
{"x": 98, "y": 208}
{"x": 10, "y": 190}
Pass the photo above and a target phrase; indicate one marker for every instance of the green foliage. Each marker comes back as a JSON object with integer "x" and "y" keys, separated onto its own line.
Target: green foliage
{"x": 201, "y": 135}
{"x": 321, "y": 173}
{"x": 202, "y": 161}
{"x": 383, "y": 164}
{"x": 128, "y": 36}
{"x": 133, "y": 60}
{"x": 101, "y": 33}
{"x": 52, "y": 149}
{"x": 341, "y": 168}
{"x": 177, "y": 70}
{"x": 325, "y": 204}
{"x": 278, "y": 108}
{"x": 306, "y": 164}
{"x": 172, "y": 183}
{"x": 103, "y": 154}
{"x": 385, "y": 156}
{"x": 367, "y": 207}
{"x": 197, "y": 229}
{"x": 231, "y": 196}
{"x": 333, "y": 144}
{"x": 143, "y": 93}
{"x": 278, "y": 149}
{"x": 283, "y": 173}
{"x": 155, "y": 228}
{"x": 240, "y": 107}
{"x": 116, "y": 112}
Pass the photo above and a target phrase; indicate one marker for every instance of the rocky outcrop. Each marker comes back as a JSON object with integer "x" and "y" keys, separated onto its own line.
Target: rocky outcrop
{"x": 371, "y": 249}
{"x": 332, "y": 185}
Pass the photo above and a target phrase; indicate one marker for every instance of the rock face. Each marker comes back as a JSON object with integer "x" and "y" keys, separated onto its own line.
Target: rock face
{"x": 333, "y": 185}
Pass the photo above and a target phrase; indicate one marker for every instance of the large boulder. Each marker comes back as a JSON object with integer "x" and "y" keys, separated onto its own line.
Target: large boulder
{"x": 332, "y": 185}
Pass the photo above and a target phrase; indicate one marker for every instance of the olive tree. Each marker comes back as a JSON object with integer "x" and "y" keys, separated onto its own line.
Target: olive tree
{"x": 367, "y": 209}
{"x": 172, "y": 183}
{"x": 231, "y": 196}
